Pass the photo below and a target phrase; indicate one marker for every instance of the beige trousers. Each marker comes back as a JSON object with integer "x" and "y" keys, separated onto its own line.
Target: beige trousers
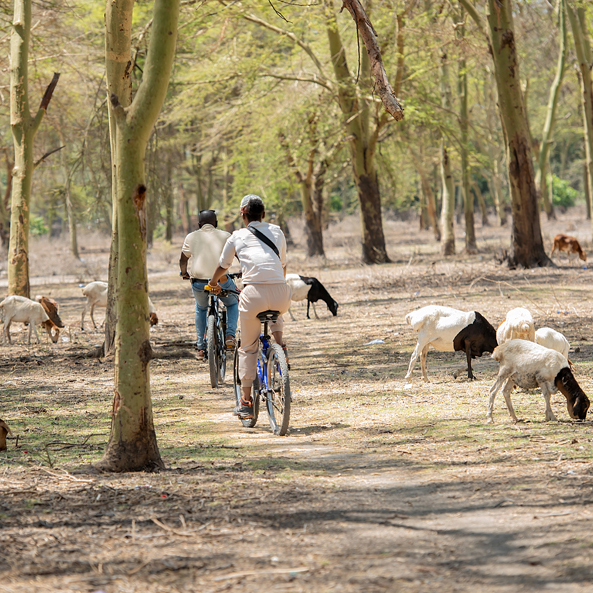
{"x": 254, "y": 299}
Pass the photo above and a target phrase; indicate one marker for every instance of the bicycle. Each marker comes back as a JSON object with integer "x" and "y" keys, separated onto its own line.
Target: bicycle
{"x": 271, "y": 384}
{"x": 216, "y": 326}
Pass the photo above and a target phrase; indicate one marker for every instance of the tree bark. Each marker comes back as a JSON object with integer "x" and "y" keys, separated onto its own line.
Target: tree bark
{"x": 582, "y": 50}
{"x": 468, "y": 200}
{"x": 362, "y": 144}
{"x": 24, "y": 128}
{"x": 527, "y": 248}
{"x": 544, "y": 151}
{"x": 448, "y": 204}
{"x": 132, "y": 444}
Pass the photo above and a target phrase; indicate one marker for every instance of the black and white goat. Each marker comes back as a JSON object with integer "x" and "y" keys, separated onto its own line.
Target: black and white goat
{"x": 450, "y": 330}
{"x": 530, "y": 365}
{"x": 304, "y": 287}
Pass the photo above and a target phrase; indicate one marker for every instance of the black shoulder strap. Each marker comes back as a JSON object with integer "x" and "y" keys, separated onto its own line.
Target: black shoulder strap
{"x": 264, "y": 239}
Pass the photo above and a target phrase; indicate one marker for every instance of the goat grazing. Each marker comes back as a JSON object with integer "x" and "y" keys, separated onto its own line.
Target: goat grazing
{"x": 550, "y": 338}
{"x": 450, "y": 330}
{"x": 53, "y": 325}
{"x": 22, "y": 310}
{"x": 311, "y": 289}
{"x": 569, "y": 244}
{"x": 518, "y": 324}
{"x": 96, "y": 296}
{"x": 530, "y": 365}
{"x": 4, "y": 431}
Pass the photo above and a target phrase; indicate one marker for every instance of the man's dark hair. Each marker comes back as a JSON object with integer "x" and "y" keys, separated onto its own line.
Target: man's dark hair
{"x": 254, "y": 209}
{"x": 207, "y": 217}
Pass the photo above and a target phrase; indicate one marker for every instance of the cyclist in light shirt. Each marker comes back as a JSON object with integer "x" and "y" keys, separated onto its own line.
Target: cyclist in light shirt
{"x": 263, "y": 273}
{"x": 202, "y": 249}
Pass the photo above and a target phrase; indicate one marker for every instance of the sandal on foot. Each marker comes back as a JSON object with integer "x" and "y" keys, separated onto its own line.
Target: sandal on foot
{"x": 244, "y": 410}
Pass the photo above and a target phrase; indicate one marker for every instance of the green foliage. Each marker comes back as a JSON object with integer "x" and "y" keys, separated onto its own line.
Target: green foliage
{"x": 563, "y": 194}
{"x": 37, "y": 226}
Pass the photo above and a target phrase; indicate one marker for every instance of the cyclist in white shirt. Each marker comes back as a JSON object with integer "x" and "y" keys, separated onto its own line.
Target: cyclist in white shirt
{"x": 263, "y": 273}
{"x": 202, "y": 249}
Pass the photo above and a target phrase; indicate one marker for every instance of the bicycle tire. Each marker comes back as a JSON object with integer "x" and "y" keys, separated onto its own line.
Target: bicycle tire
{"x": 278, "y": 398}
{"x": 222, "y": 349}
{"x": 247, "y": 422}
{"x": 212, "y": 337}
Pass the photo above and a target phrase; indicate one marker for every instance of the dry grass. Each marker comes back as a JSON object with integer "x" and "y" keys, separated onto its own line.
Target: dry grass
{"x": 381, "y": 484}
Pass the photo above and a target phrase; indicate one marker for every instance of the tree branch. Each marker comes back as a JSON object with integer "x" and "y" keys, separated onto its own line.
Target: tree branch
{"x": 49, "y": 91}
{"x": 471, "y": 10}
{"x": 38, "y": 162}
{"x": 365, "y": 28}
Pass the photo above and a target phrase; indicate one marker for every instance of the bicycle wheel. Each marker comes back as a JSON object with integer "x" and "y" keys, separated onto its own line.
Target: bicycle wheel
{"x": 250, "y": 422}
{"x": 278, "y": 397}
{"x": 222, "y": 349}
{"x": 212, "y": 337}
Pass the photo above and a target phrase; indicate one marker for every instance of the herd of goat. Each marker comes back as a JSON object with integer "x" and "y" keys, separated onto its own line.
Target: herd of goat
{"x": 528, "y": 358}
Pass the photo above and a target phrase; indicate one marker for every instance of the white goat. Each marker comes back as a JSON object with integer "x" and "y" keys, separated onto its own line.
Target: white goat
{"x": 450, "y": 330}
{"x": 96, "y": 296}
{"x": 518, "y": 324}
{"x": 530, "y": 365}
{"x": 23, "y": 310}
{"x": 550, "y": 338}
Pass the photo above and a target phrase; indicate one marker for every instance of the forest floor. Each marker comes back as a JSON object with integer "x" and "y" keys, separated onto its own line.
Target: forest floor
{"x": 381, "y": 484}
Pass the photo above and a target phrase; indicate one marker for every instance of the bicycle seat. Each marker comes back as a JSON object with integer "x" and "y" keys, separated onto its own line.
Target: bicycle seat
{"x": 268, "y": 316}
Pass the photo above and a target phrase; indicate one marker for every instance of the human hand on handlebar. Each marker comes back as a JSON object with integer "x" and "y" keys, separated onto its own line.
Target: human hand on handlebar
{"x": 215, "y": 289}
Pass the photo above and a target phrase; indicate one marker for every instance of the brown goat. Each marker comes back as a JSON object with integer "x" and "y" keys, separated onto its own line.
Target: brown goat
{"x": 53, "y": 325}
{"x": 4, "y": 431}
{"x": 569, "y": 244}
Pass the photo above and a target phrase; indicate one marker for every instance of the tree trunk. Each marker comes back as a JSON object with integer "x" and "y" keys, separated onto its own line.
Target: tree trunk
{"x": 544, "y": 151}
{"x": 482, "y": 204}
{"x": 356, "y": 114}
{"x": 23, "y": 128}
{"x": 587, "y": 190}
{"x": 132, "y": 444}
{"x": 307, "y": 185}
{"x": 468, "y": 200}
{"x": 448, "y": 190}
{"x": 582, "y": 49}
{"x": 527, "y": 248}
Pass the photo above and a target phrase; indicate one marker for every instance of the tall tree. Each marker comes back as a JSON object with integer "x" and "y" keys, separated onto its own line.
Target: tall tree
{"x": 24, "y": 127}
{"x": 580, "y": 35}
{"x": 448, "y": 190}
{"x": 132, "y": 444}
{"x": 527, "y": 247}
{"x": 544, "y": 150}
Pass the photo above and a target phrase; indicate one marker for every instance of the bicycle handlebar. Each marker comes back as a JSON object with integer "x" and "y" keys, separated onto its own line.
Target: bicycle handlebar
{"x": 208, "y": 288}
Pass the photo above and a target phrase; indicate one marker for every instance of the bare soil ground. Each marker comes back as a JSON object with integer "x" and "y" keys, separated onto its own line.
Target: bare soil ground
{"x": 381, "y": 485}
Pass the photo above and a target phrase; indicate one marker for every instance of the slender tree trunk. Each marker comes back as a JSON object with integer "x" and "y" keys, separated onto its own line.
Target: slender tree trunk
{"x": 468, "y": 200}
{"x": 24, "y": 128}
{"x": 587, "y": 190}
{"x": 132, "y": 445}
{"x": 448, "y": 191}
{"x": 583, "y": 52}
{"x": 307, "y": 186}
{"x": 428, "y": 193}
{"x": 543, "y": 157}
{"x": 356, "y": 114}
{"x": 527, "y": 248}
{"x": 482, "y": 204}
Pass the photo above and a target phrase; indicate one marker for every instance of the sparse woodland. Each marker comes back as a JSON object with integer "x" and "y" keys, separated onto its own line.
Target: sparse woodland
{"x": 124, "y": 471}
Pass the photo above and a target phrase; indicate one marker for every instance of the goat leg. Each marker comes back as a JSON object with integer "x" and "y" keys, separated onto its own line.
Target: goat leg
{"x": 468, "y": 353}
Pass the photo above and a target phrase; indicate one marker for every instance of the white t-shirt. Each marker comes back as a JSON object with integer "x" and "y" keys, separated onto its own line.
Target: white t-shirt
{"x": 259, "y": 264}
{"x": 203, "y": 248}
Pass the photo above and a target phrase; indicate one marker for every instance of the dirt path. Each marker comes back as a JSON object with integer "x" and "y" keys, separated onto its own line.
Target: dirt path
{"x": 381, "y": 485}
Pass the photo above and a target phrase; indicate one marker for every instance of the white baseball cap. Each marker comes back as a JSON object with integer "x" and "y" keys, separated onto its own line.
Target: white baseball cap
{"x": 251, "y": 199}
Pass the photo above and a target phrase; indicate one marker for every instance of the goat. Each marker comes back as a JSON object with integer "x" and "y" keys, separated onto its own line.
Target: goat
{"x": 53, "y": 325}
{"x": 96, "y": 296}
{"x": 518, "y": 324}
{"x": 530, "y": 365}
{"x": 304, "y": 287}
{"x": 4, "y": 431}
{"x": 450, "y": 330}
{"x": 569, "y": 244}
{"x": 23, "y": 310}
{"x": 550, "y": 338}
